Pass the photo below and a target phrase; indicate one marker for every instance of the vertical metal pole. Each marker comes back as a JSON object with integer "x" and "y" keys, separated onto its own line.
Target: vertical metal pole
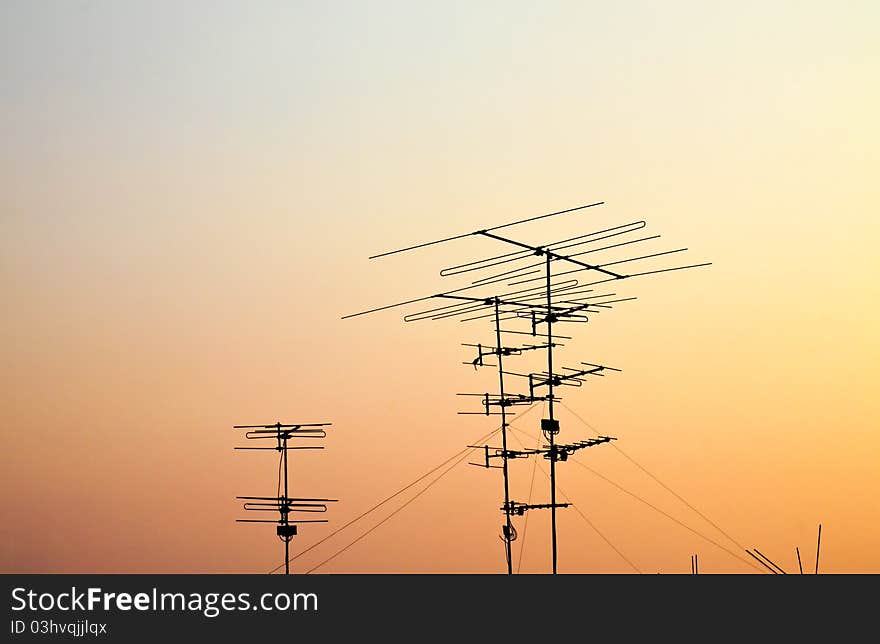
{"x": 286, "y": 515}
{"x": 509, "y": 532}
{"x": 552, "y": 437}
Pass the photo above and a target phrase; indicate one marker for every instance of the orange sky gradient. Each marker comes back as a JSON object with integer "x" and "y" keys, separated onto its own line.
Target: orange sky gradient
{"x": 190, "y": 197}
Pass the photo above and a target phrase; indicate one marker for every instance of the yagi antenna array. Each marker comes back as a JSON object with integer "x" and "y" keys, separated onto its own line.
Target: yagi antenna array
{"x": 282, "y": 504}
{"x": 521, "y": 287}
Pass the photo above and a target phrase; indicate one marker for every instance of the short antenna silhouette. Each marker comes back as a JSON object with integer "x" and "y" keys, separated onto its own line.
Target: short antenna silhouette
{"x": 282, "y": 503}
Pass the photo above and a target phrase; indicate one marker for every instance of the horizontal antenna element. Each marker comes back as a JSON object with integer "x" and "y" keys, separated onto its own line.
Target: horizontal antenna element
{"x": 477, "y": 232}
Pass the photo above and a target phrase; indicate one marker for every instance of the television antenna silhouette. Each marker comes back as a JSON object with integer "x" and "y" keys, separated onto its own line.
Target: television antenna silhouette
{"x": 282, "y": 503}
{"x": 541, "y": 306}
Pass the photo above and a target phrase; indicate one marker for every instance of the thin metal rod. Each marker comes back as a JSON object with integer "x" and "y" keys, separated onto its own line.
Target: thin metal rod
{"x": 577, "y": 290}
{"x": 578, "y": 300}
{"x": 275, "y": 449}
{"x": 526, "y": 270}
{"x": 761, "y": 561}
{"x": 635, "y": 259}
{"x": 290, "y": 507}
{"x": 586, "y": 305}
{"x": 590, "y": 364}
{"x": 481, "y": 413}
{"x": 773, "y": 563}
{"x": 285, "y": 516}
{"x": 537, "y": 335}
{"x": 456, "y": 309}
{"x": 465, "y": 309}
{"x": 818, "y": 545}
{"x": 516, "y": 256}
{"x": 551, "y": 254}
{"x": 278, "y": 521}
{"x": 277, "y": 426}
{"x": 534, "y": 291}
{"x": 516, "y": 313}
{"x": 513, "y": 314}
{"x": 800, "y": 565}
{"x": 390, "y": 306}
{"x": 559, "y": 287}
{"x": 418, "y": 299}
{"x": 477, "y": 232}
{"x": 662, "y": 270}
{"x": 496, "y": 300}
{"x": 552, "y": 437}
{"x": 508, "y": 533}
{"x": 300, "y": 433}
{"x": 524, "y": 306}
{"x": 294, "y": 499}
{"x": 496, "y": 280}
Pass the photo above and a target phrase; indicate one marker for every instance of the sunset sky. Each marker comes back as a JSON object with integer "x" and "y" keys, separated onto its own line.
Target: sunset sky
{"x": 191, "y": 192}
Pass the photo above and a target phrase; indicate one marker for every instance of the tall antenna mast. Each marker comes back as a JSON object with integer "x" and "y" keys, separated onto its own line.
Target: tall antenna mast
{"x": 283, "y": 503}
{"x": 504, "y": 400}
{"x": 545, "y": 302}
